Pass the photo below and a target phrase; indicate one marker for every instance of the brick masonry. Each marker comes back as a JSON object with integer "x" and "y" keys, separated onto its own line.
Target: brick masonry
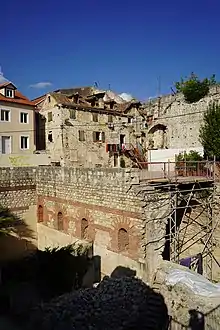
{"x": 94, "y": 205}
{"x": 105, "y": 199}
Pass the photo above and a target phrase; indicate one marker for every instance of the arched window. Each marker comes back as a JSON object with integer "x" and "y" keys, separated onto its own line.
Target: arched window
{"x": 60, "y": 221}
{"x": 40, "y": 213}
{"x": 123, "y": 239}
{"x": 84, "y": 228}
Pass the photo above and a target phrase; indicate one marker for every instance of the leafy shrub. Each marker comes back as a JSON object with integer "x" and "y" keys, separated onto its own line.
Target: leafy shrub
{"x": 193, "y": 88}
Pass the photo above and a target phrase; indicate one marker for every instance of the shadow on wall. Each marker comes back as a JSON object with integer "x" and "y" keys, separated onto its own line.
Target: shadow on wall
{"x": 121, "y": 271}
{"x": 15, "y": 236}
{"x": 45, "y": 275}
{"x": 199, "y": 320}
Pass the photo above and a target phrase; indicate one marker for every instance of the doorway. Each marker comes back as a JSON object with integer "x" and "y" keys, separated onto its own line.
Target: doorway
{"x": 6, "y": 144}
{"x": 122, "y": 139}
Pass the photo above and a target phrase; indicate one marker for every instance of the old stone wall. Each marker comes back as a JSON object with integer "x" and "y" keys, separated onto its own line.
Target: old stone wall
{"x": 173, "y": 123}
{"x": 78, "y": 137}
{"x": 18, "y": 194}
{"x": 96, "y": 205}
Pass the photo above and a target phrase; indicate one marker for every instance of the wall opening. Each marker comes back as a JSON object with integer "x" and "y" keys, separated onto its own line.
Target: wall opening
{"x": 171, "y": 227}
{"x": 40, "y": 213}
{"x": 50, "y": 136}
{"x": 84, "y": 228}
{"x": 123, "y": 240}
{"x": 60, "y": 221}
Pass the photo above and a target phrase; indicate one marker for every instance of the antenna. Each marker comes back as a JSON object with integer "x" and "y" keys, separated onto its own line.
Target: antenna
{"x": 109, "y": 87}
{"x": 159, "y": 86}
{"x": 1, "y": 73}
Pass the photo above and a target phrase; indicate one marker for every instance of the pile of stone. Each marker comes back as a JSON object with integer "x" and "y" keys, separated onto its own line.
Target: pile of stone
{"x": 116, "y": 303}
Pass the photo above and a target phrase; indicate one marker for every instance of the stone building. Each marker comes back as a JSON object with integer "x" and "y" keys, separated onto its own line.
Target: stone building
{"x": 173, "y": 123}
{"x": 86, "y": 127}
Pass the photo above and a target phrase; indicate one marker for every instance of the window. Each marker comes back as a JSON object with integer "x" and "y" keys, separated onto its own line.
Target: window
{"x": 49, "y": 99}
{"x": 98, "y": 136}
{"x": 123, "y": 239}
{"x": 72, "y": 113}
{"x": 50, "y": 116}
{"x": 9, "y": 93}
{"x": 129, "y": 120}
{"x": 95, "y": 117}
{"x": 60, "y": 221}
{"x": 40, "y": 213}
{"x": 84, "y": 228}
{"x": 81, "y": 136}
{"x": 24, "y": 142}
{"x": 110, "y": 118}
{"x": 5, "y": 115}
{"x": 50, "y": 136}
{"x": 24, "y": 117}
{"x": 5, "y": 144}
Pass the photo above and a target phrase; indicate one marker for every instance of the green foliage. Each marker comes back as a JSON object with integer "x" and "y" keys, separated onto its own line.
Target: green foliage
{"x": 210, "y": 131}
{"x": 190, "y": 159}
{"x": 193, "y": 88}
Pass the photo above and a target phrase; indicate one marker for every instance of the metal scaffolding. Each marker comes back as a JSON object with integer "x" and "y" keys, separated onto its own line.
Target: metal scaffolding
{"x": 191, "y": 221}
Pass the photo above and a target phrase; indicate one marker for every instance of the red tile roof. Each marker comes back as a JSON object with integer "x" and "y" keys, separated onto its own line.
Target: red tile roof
{"x": 18, "y": 97}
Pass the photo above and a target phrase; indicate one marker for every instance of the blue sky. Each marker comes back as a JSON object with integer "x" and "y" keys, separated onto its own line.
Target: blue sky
{"x": 127, "y": 44}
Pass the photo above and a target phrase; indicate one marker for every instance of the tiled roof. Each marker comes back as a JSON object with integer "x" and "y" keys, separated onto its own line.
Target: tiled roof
{"x": 38, "y": 99}
{"x": 18, "y": 97}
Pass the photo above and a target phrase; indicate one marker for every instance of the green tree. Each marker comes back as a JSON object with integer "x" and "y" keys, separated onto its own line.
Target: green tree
{"x": 210, "y": 131}
{"x": 194, "y": 88}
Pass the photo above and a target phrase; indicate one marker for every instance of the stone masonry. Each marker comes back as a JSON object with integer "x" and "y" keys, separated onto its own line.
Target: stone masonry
{"x": 173, "y": 123}
{"x": 124, "y": 217}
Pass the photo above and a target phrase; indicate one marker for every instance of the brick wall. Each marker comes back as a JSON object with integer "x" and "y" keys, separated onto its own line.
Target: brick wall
{"x": 18, "y": 193}
{"x": 94, "y": 204}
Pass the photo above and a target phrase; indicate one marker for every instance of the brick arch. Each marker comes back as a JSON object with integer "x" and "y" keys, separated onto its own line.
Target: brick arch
{"x": 85, "y": 227}
{"x": 61, "y": 219}
{"x": 123, "y": 240}
{"x": 41, "y": 202}
{"x": 124, "y": 231}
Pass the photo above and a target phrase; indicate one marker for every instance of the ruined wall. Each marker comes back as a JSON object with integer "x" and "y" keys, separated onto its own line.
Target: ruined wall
{"x": 18, "y": 193}
{"x": 95, "y": 204}
{"x": 181, "y": 119}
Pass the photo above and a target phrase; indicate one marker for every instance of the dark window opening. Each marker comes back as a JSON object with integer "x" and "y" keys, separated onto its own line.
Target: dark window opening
{"x": 60, "y": 221}
{"x": 110, "y": 118}
{"x": 95, "y": 117}
{"x": 40, "y": 214}
{"x": 115, "y": 160}
{"x": 123, "y": 240}
{"x": 50, "y": 136}
{"x": 122, "y": 138}
{"x": 49, "y": 99}
{"x": 84, "y": 228}
{"x": 129, "y": 120}
{"x": 49, "y": 116}
{"x": 81, "y": 136}
{"x": 72, "y": 113}
{"x": 112, "y": 105}
{"x": 98, "y": 136}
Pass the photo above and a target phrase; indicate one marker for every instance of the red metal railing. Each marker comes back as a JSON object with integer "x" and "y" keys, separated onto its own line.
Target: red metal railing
{"x": 170, "y": 170}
